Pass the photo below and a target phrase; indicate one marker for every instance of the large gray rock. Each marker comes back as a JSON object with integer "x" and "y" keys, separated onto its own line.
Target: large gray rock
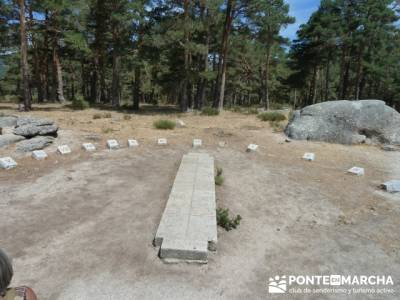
{"x": 8, "y": 139}
{"x": 36, "y": 143}
{"x": 33, "y": 121}
{"x": 346, "y": 122}
{"x": 29, "y": 127}
{"x": 8, "y": 121}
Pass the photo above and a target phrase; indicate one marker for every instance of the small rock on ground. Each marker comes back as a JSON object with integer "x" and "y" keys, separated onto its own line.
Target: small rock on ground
{"x": 36, "y": 143}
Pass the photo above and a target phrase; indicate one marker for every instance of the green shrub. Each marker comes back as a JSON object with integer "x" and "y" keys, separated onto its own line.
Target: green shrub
{"x": 219, "y": 171}
{"x": 219, "y": 179}
{"x": 225, "y": 221}
{"x": 276, "y": 105}
{"x": 102, "y": 116}
{"x": 107, "y": 130}
{"x": 209, "y": 111}
{"x": 252, "y": 111}
{"x": 127, "y": 117}
{"x": 277, "y": 126}
{"x": 164, "y": 124}
{"x": 272, "y": 117}
{"x": 80, "y": 103}
{"x": 236, "y": 109}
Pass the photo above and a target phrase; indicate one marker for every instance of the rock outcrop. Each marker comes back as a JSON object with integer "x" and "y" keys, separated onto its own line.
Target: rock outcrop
{"x": 30, "y": 133}
{"x": 8, "y": 139}
{"x": 8, "y": 121}
{"x": 30, "y": 127}
{"x": 346, "y": 122}
{"x": 36, "y": 143}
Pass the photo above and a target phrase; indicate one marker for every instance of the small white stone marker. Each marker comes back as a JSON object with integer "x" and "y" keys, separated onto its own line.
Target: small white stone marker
{"x": 162, "y": 142}
{"x": 7, "y": 163}
{"x": 197, "y": 143}
{"x": 309, "y": 156}
{"x": 356, "y": 171}
{"x": 88, "y": 147}
{"x": 112, "y": 144}
{"x": 392, "y": 186}
{"x": 180, "y": 124}
{"x": 39, "y": 154}
{"x": 132, "y": 143}
{"x": 252, "y": 147}
{"x": 64, "y": 149}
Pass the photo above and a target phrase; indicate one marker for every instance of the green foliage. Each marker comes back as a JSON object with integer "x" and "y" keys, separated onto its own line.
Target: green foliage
{"x": 106, "y": 115}
{"x": 127, "y": 117}
{"x": 219, "y": 179}
{"x": 168, "y": 52}
{"x": 107, "y": 130}
{"x": 227, "y": 222}
{"x": 209, "y": 111}
{"x": 164, "y": 124}
{"x": 272, "y": 117}
{"x": 219, "y": 171}
{"x": 79, "y": 103}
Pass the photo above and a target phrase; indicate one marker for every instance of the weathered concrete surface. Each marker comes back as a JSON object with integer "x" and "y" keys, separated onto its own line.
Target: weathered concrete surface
{"x": 346, "y": 122}
{"x": 112, "y": 144}
{"x": 133, "y": 143}
{"x": 36, "y": 143}
{"x": 162, "y": 141}
{"x": 7, "y": 163}
{"x": 8, "y": 139}
{"x": 39, "y": 155}
{"x": 187, "y": 250}
{"x": 64, "y": 149}
{"x": 392, "y": 186}
{"x": 356, "y": 171}
{"x": 189, "y": 219}
{"x": 252, "y": 147}
{"x": 309, "y": 156}
{"x": 88, "y": 147}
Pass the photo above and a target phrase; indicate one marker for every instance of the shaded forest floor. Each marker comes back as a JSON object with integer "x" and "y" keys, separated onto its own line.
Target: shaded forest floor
{"x": 81, "y": 226}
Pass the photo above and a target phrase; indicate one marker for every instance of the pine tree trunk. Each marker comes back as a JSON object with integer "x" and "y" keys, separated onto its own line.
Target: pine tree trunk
{"x": 36, "y": 62}
{"x": 327, "y": 78}
{"x": 136, "y": 89}
{"x": 220, "y": 84}
{"x": 184, "y": 103}
{"x": 115, "y": 94}
{"x": 359, "y": 73}
{"x": 313, "y": 86}
{"x": 59, "y": 75}
{"x": 267, "y": 102}
{"x": 26, "y": 93}
{"x": 201, "y": 93}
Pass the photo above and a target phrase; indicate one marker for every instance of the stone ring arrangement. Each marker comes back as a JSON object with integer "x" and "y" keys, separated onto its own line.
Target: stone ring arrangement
{"x": 33, "y": 134}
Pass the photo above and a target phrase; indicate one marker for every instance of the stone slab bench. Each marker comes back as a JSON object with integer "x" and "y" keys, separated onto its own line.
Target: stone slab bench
{"x": 188, "y": 227}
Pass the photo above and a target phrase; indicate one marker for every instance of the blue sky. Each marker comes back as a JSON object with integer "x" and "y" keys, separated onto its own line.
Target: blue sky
{"x": 301, "y": 10}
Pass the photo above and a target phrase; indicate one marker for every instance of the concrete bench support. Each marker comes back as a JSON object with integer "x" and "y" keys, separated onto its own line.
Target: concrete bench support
{"x": 188, "y": 226}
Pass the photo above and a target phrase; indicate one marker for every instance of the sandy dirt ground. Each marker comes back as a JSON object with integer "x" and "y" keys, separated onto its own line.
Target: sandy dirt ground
{"x": 81, "y": 226}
